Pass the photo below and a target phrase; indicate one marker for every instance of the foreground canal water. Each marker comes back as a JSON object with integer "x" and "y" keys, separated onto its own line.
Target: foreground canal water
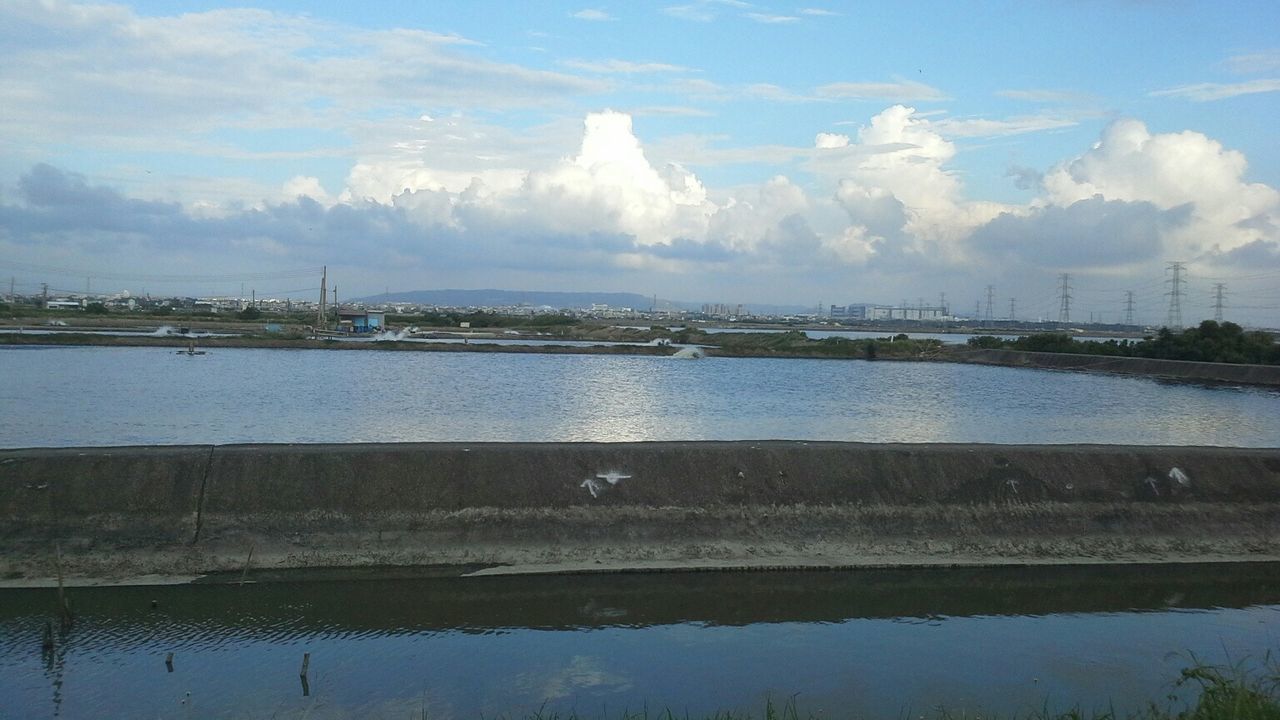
{"x": 872, "y": 644}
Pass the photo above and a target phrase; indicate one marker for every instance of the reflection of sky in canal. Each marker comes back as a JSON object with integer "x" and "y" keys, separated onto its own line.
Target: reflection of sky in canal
{"x": 108, "y": 396}
{"x": 874, "y": 668}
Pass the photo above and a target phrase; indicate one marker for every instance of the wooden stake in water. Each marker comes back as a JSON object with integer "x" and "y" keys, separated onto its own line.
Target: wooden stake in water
{"x": 302, "y": 674}
{"x": 64, "y": 608}
{"x": 168, "y": 662}
{"x": 247, "y": 561}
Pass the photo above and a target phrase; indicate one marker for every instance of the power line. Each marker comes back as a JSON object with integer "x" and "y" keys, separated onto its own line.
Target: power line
{"x": 132, "y": 277}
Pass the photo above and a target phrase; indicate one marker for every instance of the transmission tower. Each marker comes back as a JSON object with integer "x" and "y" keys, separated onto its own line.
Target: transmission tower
{"x": 1012, "y": 315}
{"x": 991, "y": 291}
{"x": 1128, "y": 307}
{"x": 1175, "y": 295}
{"x": 1219, "y": 293}
{"x": 1064, "y": 308}
{"x": 942, "y": 303}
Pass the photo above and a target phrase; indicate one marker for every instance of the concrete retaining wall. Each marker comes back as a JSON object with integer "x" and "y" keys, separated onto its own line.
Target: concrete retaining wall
{"x": 197, "y": 509}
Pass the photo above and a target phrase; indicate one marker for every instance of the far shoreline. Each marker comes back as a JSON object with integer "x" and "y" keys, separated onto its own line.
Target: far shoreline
{"x": 1267, "y": 376}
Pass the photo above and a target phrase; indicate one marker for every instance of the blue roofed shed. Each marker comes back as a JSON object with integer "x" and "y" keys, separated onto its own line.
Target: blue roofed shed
{"x": 361, "y": 321}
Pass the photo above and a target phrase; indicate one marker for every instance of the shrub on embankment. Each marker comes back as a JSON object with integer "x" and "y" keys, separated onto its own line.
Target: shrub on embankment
{"x": 795, "y": 343}
{"x": 1209, "y": 342}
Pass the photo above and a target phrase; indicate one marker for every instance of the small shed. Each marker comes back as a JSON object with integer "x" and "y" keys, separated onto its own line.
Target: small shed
{"x": 361, "y": 321}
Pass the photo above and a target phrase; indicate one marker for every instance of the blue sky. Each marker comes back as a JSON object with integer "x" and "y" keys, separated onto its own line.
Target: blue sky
{"x": 719, "y": 151}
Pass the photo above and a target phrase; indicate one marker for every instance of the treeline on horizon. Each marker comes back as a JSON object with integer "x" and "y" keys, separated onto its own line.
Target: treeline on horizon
{"x": 1208, "y": 342}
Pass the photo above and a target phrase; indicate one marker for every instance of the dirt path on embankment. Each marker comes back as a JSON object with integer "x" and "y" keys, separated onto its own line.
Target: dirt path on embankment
{"x": 118, "y": 514}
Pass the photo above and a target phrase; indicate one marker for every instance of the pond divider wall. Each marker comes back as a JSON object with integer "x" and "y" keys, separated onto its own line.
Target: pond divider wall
{"x": 121, "y": 512}
{"x": 1266, "y": 375}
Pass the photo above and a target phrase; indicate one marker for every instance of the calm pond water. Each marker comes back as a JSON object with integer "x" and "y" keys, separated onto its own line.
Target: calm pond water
{"x": 870, "y": 644}
{"x": 55, "y": 396}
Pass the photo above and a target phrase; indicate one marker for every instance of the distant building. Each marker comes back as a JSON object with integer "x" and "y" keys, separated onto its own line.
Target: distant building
{"x": 889, "y": 312}
{"x": 361, "y": 321}
{"x": 723, "y": 310}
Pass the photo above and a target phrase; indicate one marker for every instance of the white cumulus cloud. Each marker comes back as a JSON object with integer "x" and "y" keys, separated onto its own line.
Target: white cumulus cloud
{"x": 831, "y": 140}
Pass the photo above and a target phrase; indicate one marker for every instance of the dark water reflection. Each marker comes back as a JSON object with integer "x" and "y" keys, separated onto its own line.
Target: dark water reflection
{"x": 873, "y": 643}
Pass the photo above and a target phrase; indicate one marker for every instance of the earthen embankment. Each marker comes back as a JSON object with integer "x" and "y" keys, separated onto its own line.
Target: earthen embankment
{"x": 122, "y": 512}
{"x": 1266, "y": 375}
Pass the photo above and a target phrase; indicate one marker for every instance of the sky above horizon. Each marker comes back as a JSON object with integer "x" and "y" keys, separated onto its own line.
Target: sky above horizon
{"x": 700, "y": 150}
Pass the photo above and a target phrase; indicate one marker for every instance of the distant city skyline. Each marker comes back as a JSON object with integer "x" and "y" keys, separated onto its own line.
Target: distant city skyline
{"x": 714, "y": 151}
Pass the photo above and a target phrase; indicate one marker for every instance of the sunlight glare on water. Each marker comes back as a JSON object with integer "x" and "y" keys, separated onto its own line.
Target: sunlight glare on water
{"x": 115, "y": 396}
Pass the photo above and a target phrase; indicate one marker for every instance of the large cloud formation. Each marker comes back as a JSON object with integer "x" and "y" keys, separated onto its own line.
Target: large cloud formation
{"x": 882, "y": 206}
{"x": 1138, "y": 197}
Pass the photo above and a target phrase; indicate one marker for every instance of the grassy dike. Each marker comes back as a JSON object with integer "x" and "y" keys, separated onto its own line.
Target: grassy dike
{"x": 519, "y": 508}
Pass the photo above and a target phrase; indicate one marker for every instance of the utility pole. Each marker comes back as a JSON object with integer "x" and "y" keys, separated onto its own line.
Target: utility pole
{"x": 1064, "y": 307}
{"x": 1128, "y": 307}
{"x": 1012, "y": 316}
{"x": 1175, "y": 295}
{"x": 324, "y": 275}
{"x": 991, "y": 291}
{"x": 1219, "y": 290}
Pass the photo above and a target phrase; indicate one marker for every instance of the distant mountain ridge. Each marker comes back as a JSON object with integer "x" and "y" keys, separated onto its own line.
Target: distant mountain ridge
{"x": 557, "y": 300}
{"x": 506, "y": 298}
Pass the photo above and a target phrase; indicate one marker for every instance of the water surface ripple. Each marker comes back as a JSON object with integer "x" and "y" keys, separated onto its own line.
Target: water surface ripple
{"x": 56, "y": 396}
{"x": 870, "y": 644}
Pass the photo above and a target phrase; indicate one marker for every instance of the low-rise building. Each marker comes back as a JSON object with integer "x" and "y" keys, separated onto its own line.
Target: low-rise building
{"x": 361, "y": 321}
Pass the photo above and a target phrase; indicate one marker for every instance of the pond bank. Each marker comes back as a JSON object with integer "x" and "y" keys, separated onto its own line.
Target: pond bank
{"x": 144, "y": 514}
{"x": 1264, "y": 375}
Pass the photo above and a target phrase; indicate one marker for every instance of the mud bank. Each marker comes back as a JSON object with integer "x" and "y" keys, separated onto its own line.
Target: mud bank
{"x": 123, "y": 513}
{"x": 1266, "y": 375}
